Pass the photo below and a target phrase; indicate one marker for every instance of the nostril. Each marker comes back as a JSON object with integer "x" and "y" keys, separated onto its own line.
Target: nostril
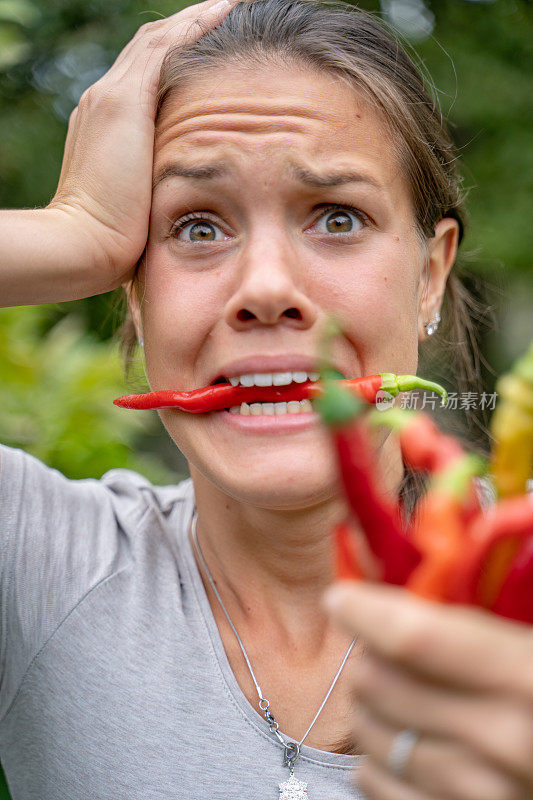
{"x": 244, "y": 315}
{"x": 293, "y": 313}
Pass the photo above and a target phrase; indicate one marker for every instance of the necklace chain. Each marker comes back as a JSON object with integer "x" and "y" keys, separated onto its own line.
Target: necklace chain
{"x": 292, "y": 749}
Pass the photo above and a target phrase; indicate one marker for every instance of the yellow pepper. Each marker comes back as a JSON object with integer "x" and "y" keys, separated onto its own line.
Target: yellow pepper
{"x": 512, "y": 428}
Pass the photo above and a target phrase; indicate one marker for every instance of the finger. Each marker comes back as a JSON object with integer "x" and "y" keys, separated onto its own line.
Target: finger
{"x": 499, "y": 728}
{"x": 458, "y": 645}
{"x": 139, "y": 63}
{"x": 153, "y": 35}
{"x": 144, "y": 53}
{"x": 377, "y": 784}
{"x": 438, "y": 764}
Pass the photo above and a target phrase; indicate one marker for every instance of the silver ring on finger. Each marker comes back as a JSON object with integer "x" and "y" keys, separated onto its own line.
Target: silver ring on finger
{"x": 400, "y": 751}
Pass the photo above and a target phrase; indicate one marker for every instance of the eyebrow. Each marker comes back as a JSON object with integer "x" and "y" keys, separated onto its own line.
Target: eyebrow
{"x": 209, "y": 172}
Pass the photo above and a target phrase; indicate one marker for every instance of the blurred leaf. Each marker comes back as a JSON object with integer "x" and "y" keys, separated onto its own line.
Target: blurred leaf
{"x": 56, "y": 397}
{"x": 14, "y": 47}
{"x": 21, "y": 11}
{"x": 4, "y": 793}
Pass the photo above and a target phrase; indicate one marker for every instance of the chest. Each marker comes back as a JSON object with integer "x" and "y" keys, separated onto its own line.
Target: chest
{"x": 295, "y": 696}
{"x": 109, "y": 706}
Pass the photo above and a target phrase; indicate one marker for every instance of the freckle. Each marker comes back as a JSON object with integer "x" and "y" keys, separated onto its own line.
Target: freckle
{"x": 396, "y": 238}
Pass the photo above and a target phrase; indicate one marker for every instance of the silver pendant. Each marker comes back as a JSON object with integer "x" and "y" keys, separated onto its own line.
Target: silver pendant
{"x": 293, "y": 789}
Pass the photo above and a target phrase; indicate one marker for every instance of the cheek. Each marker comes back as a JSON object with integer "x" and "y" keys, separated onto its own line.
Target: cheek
{"x": 378, "y": 295}
{"x": 178, "y": 314}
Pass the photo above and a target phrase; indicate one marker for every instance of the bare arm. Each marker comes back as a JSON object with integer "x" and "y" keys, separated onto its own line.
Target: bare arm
{"x": 46, "y": 257}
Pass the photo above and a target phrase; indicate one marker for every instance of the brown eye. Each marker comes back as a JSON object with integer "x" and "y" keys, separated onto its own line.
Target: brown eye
{"x": 195, "y": 229}
{"x": 342, "y": 221}
{"x": 339, "y": 222}
{"x": 199, "y": 232}
{"x": 202, "y": 232}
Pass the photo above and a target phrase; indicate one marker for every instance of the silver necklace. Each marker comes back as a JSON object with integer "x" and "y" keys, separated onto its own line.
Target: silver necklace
{"x": 292, "y": 789}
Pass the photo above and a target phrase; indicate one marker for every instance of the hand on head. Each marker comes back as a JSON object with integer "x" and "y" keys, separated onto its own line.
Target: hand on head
{"x": 106, "y": 175}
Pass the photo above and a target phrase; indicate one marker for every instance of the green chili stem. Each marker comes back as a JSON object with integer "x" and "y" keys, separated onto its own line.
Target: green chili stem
{"x": 406, "y": 383}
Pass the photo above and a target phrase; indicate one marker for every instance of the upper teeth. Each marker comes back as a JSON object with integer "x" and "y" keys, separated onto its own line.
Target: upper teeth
{"x": 273, "y": 378}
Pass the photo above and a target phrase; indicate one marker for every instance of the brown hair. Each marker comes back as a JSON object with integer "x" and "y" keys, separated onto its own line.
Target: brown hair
{"x": 358, "y": 48}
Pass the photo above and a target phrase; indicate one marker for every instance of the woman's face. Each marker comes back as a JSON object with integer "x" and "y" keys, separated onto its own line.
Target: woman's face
{"x": 275, "y": 245}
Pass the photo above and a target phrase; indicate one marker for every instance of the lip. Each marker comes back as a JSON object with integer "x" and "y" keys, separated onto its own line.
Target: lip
{"x": 271, "y": 424}
{"x": 268, "y": 363}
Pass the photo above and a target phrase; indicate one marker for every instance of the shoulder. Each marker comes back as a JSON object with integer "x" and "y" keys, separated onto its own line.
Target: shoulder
{"x": 123, "y": 492}
{"x": 133, "y": 495}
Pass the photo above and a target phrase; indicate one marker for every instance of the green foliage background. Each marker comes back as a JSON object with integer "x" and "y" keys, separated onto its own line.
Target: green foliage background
{"x": 59, "y": 366}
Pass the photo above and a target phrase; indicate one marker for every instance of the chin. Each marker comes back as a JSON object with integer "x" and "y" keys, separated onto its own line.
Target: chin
{"x": 302, "y": 481}
{"x": 279, "y": 496}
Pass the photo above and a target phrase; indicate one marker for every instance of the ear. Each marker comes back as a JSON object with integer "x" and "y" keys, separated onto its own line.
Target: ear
{"x": 134, "y": 308}
{"x": 442, "y": 251}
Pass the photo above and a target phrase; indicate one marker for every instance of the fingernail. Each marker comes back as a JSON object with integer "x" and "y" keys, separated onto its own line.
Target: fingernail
{"x": 223, "y": 5}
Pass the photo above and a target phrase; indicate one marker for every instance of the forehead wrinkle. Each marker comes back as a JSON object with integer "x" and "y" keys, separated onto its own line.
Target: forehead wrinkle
{"x": 233, "y": 123}
{"x": 250, "y": 109}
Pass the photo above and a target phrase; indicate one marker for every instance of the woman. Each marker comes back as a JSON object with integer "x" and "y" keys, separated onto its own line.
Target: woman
{"x": 298, "y": 168}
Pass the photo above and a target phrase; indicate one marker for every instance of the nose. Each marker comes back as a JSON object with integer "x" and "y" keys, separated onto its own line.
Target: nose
{"x": 270, "y": 286}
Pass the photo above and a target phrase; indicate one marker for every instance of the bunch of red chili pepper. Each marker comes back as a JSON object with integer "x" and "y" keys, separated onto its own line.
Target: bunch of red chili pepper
{"x": 453, "y": 550}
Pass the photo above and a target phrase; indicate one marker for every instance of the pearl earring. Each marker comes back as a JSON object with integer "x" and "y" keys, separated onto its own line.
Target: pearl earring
{"x": 433, "y": 324}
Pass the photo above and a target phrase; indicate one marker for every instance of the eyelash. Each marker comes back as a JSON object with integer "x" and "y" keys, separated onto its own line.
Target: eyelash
{"x": 179, "y": 225}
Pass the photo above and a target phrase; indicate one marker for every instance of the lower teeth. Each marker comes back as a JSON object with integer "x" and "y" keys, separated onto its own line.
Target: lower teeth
{"x": 272, "y": 409}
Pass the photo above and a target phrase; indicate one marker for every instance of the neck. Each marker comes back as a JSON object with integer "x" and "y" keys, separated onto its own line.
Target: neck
{"x": 271, "y": 566}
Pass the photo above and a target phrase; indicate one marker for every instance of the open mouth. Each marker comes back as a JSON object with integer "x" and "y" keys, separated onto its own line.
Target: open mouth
{"x": 269, "y": 394}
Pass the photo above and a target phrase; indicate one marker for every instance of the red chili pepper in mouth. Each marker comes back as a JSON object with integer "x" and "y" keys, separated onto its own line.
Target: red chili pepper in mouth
{"x": 224, "y": 395}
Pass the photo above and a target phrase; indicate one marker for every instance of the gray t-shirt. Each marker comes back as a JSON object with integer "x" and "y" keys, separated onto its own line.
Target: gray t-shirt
{"x": 114, "y": 683}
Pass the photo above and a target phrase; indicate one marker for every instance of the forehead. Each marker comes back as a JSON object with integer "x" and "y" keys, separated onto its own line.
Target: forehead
{"x": 270, "y": 118}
